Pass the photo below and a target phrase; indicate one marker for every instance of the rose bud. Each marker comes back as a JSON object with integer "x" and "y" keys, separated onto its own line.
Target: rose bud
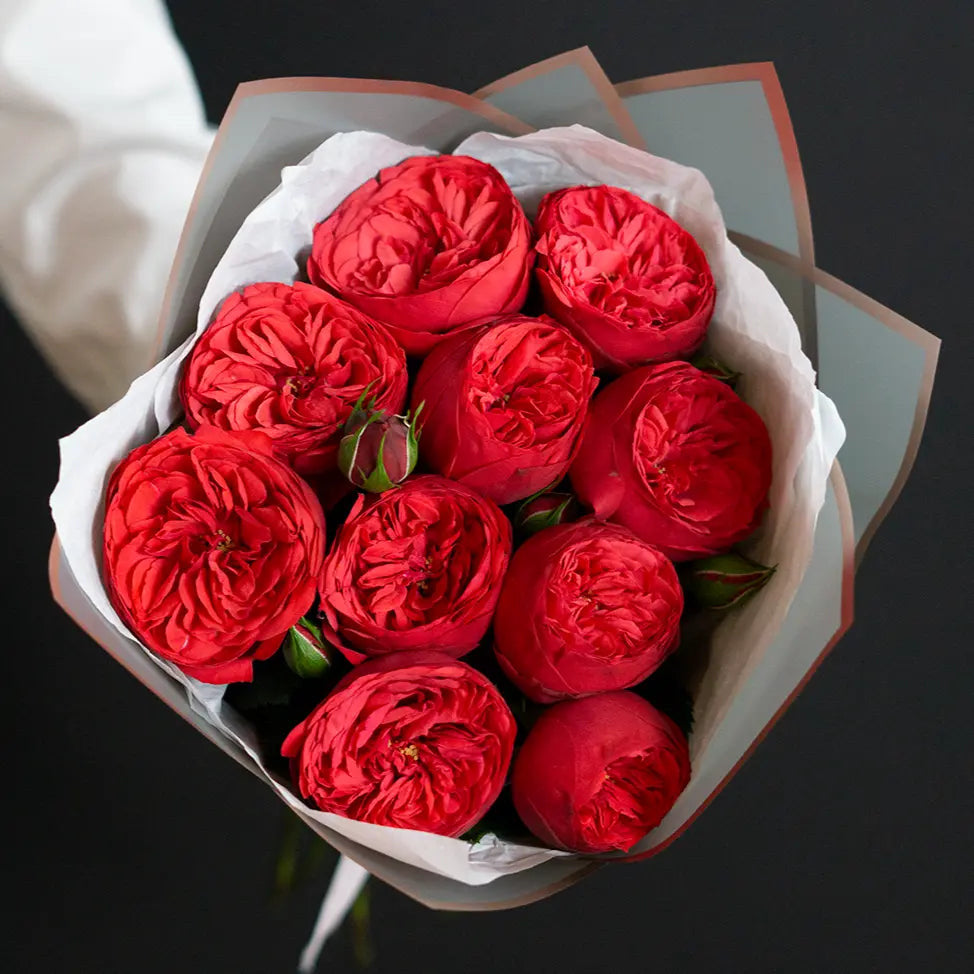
{"x": 418, "y": 567}
{"x": 626, "y": 278}
{"x": 718, "y": 370}
{"x": 378, "y": 451}
{"x": 678, "y": 458}
{"x": 305, "y": 652}
{"x": 584, "y": 608}
{"x": 545, "y": 511}
{"x": 426, "y": 247}
{"x": 415, "y": 741}
{"x": 505, "y": 406}
{"x": 212, "y": 548}
{"x": 291, "y": 360}
{"x": 596, "y": 775}
{"x": 725, "y": 581}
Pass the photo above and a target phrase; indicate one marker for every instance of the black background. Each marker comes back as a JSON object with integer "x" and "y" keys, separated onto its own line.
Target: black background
{"x": 844, "y": 845}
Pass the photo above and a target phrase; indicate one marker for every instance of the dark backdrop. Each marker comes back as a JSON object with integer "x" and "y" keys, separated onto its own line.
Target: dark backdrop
{"x": 843, "y": 845}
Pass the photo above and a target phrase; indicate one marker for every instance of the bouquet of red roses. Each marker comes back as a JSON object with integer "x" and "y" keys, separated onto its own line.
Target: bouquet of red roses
{"x": 480, "y": 512}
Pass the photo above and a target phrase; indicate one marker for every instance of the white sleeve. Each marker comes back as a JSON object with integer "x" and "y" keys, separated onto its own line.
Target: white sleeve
{"x": 102, "y": 139}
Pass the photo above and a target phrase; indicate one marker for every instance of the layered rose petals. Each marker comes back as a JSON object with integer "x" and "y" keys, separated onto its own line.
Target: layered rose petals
{"x": 626, "y": 278}
{"x": 416, "y": 741}
{"x": 678, "y": 458}
{"x": 212, "y": 548}
{"x": 428, "y": 246}
{"x": 585, "y": 608}
{"x": 595, "y": 775}
{"x": 416, "y": 567}
{"x": 291, "y": 360}
{"x": 504, "y": 406}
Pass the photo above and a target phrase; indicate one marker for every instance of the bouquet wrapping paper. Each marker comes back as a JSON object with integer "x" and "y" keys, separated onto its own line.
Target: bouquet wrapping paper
{"x": 288, "y": 152}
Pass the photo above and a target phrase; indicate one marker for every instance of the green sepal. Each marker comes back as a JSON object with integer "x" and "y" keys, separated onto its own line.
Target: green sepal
{"x": 539, "y": 520}
{"x": 725, "y": 581}
{"x": 716, "y": 368}
{"x": 305, "y": 651}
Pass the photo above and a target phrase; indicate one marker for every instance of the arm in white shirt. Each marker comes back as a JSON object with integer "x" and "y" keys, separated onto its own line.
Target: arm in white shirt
{"x": 102, "y": 139}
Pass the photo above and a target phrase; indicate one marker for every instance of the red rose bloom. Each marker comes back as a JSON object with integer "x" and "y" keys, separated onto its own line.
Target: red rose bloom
{"x": 625, "y": 277}
{"x": 212, "y": 548}
{"x": 415, "y": 741}
{"x": 584, "y": 608}
{"x": 427, "y": 247}
{"x": 595, "y": 775}
{"x": 291, "y": 360}
{"x": 678, "y": 458}
{"x": 417, "y": 567}
{"x": 504, "y": 406}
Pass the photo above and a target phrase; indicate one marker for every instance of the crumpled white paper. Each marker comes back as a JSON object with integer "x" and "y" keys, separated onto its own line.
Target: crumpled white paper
{"x": 752, "y": 330}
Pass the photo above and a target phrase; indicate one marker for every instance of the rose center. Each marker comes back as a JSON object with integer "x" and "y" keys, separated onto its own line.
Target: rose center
{"x": 223, "y": 541}
{"x": 417, "y": 573}
{"x": 299, "y": 384}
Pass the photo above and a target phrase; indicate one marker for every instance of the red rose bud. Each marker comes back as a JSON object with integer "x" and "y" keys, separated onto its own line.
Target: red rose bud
{"x": 595, "y": 775}
{"x": 545, "y": 511}
{"x": 418, "y": 567}
{"x": 505, "y": 406}
{"x": 427, "y": 247}
{"x": 678, "y": 458}
{"x": 378, "y": 451}
{"x": 725, "y": 581}
{"x": 212, "y": 549}
{"x": 585, "y": 608}
{"x": 291, "y": 361}
{"x": 305, "y": 651}
{"x": 628, "y": 280}
{"x": 414, "y": 740}
{"x": 711, "y": 366}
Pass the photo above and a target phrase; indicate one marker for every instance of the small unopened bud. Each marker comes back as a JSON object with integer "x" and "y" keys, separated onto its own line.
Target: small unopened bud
{"x": 544, "y": 511}
{"x": 305, "y": 650}
{"x": 725, "y": 581}
{"x": 378, "y": 451}
{"x": 717, "y": 369}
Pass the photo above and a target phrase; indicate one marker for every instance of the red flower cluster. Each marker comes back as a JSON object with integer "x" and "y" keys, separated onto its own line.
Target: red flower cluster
{"x": 428, "y": 247}
{"x": 597, "y": 774}
{"x": 292, "y": 361}
{"x": 678, "y": 458}
{"x": 418, "y": 741}
{"x": 586, "y": 607}
{"x": 505, "y": 406}
{"x": 212, "y": 549}
{"x": 624, "y": 276}
{"x": 214, "y": 541}
{"x": 416, "y": 567}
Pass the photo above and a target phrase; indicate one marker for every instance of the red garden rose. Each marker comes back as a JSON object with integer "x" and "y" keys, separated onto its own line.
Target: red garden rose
{"x": 504, "y": 406}
{"x": 416, "y": 567}
{"x": 595, "y": 775}
{"x": 426, "y": 247}
{"x": 212, "y": 548}
{"x": 584, "y": 608}
{"x": 291, "y": 360}
{"x": 416, "y": 741}
{"x": 678, "y": 458}
{"x": 625, "y": 277}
